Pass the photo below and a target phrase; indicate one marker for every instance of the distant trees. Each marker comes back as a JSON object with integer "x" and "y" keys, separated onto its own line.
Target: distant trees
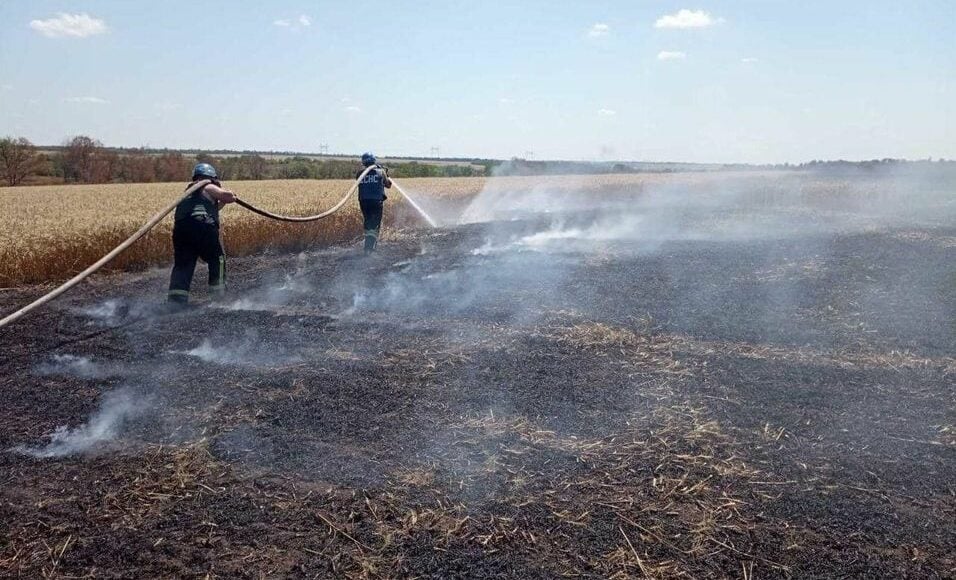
{"x": 173, "y": 166}
{"x": 255, "y": 166}
{"x": 296, "y": 168}
{"x": 137, "y": 167}
{"x": 18, "y": 160}
{"x": 84, "y": 159}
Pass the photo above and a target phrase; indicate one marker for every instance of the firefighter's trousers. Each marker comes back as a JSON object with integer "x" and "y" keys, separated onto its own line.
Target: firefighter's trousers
{"x": 372, "y": 214}
{"x": 194, "y": 240}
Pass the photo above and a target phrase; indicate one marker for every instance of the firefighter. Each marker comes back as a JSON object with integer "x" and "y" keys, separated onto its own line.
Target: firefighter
{"x": 372, "y": 199}
{"x": 196, "y": 236}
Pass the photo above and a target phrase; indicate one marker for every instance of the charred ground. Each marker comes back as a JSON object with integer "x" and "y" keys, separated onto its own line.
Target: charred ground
{"x": 749, "y": 408}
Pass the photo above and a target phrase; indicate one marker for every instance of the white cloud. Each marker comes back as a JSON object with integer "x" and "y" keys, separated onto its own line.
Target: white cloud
{"x": 353, "y": 109}
{"x": 671, "y": 55}
{"x": 299, "y": 23}
{"x": 750, "y": 59}
{"x": 69, "y": 25}
{"x": 606, "y": 112}
{"x": 87, "y": 100}
{"x": 599, "y": 30}
{"x": 506, "y": 101}
{"x": 6, "y": 87}
{"x": 685, "y": 18}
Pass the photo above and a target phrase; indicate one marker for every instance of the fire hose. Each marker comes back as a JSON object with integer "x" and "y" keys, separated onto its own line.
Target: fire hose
{"x": 153, "y": 221}
{"x": 334, "y": 208}
{"x": 310, "y": 218}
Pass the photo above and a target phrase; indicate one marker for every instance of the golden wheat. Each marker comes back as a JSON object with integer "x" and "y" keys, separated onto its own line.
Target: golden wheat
{"x": 50, "y": 233}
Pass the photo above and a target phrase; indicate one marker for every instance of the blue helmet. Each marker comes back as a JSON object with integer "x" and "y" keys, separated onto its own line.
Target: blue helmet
{"x": 368, "y": 159}
{"x": 204, "y": 171}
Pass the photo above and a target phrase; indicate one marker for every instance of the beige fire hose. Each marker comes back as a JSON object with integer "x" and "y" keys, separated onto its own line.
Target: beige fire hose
{"x": 311, "y": 218}
{"x": 337, "y": 206}
{"x": 159, "y": 216}
{"x": 105, "y": 259}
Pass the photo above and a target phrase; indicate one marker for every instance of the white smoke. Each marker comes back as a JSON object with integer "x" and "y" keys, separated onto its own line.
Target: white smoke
{"x": 104, "y": 426}
{"x": 219, "y": 355}
{"x": 114, "y": 312}
{"x": 537, "y": 232}
{"x": 491, "y": 248}
{"x": 249, "y": 352}
{"x": 499, "y": 203}
{"x": 295, "y": 285}
{"x": 72, "y": 365}
{"x": 719, "y": 208}
{"x": 107, "y": 312}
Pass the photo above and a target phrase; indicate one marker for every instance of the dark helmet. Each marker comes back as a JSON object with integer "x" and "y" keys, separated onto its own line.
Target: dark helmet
{"x": 204, "y": 171}
{"x": 368, "y": 159}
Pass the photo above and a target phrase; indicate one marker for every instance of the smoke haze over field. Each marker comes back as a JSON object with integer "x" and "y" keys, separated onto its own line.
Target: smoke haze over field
{"x": 521, "y": 256}
{"x": 727, "y": 206}
{"x": 538, "y": 233}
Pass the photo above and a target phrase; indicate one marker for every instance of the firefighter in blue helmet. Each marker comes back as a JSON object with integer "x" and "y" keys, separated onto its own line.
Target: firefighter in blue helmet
{"x": 196, "y": 235}
{"x": 372, "y": 199}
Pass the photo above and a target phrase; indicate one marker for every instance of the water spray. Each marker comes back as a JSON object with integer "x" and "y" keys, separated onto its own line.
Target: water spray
{"x": 417, "y": 207}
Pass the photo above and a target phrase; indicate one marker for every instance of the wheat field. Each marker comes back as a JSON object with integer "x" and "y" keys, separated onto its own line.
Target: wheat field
{"x": 50, "y": 233}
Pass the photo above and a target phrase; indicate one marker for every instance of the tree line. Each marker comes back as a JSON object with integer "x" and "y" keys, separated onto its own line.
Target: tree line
{"x": 83, "y": 159}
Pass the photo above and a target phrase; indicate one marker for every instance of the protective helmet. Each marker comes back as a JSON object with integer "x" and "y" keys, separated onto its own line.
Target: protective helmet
{"x": 204, "y": 171}
{"x": 368, "y": 159}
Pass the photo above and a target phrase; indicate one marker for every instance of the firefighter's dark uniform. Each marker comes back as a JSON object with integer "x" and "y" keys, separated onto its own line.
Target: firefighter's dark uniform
{"x": 196, "y": 235}
{"x": 371, "y": 200}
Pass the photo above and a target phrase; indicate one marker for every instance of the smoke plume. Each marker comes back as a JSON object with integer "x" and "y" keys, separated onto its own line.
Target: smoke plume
{"x": 116, "y": 408}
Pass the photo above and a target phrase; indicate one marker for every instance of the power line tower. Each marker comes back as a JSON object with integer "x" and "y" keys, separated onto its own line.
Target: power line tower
{"x": 435, "y": 152}
{"x": 529, "y": 155}
{"x": 324, "y": 149}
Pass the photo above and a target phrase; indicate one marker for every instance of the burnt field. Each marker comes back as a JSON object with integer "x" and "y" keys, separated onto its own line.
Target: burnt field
{"x": 612, "y": 392}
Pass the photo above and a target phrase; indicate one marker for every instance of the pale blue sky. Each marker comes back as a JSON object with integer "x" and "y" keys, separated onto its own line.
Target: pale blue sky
{"x": 749, "y": 81}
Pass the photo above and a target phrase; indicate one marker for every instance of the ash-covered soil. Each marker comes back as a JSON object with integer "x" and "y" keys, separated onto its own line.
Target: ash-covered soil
{"x": 500, "y": 400}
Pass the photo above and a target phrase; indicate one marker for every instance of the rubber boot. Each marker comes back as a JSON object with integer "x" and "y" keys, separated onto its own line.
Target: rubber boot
{"x": 370, "y": 241}
{"x": 176, "y": 302}
{"x": 217, "y": 293}
{"x": 177, "y": 298}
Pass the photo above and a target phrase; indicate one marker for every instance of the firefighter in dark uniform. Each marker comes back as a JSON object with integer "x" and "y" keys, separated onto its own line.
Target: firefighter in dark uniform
{"x": 196, "y": 235}
{"x": 372, "y": 199}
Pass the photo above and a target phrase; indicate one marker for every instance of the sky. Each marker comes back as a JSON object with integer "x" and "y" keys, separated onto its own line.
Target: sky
{"x": 752, "y": 81}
